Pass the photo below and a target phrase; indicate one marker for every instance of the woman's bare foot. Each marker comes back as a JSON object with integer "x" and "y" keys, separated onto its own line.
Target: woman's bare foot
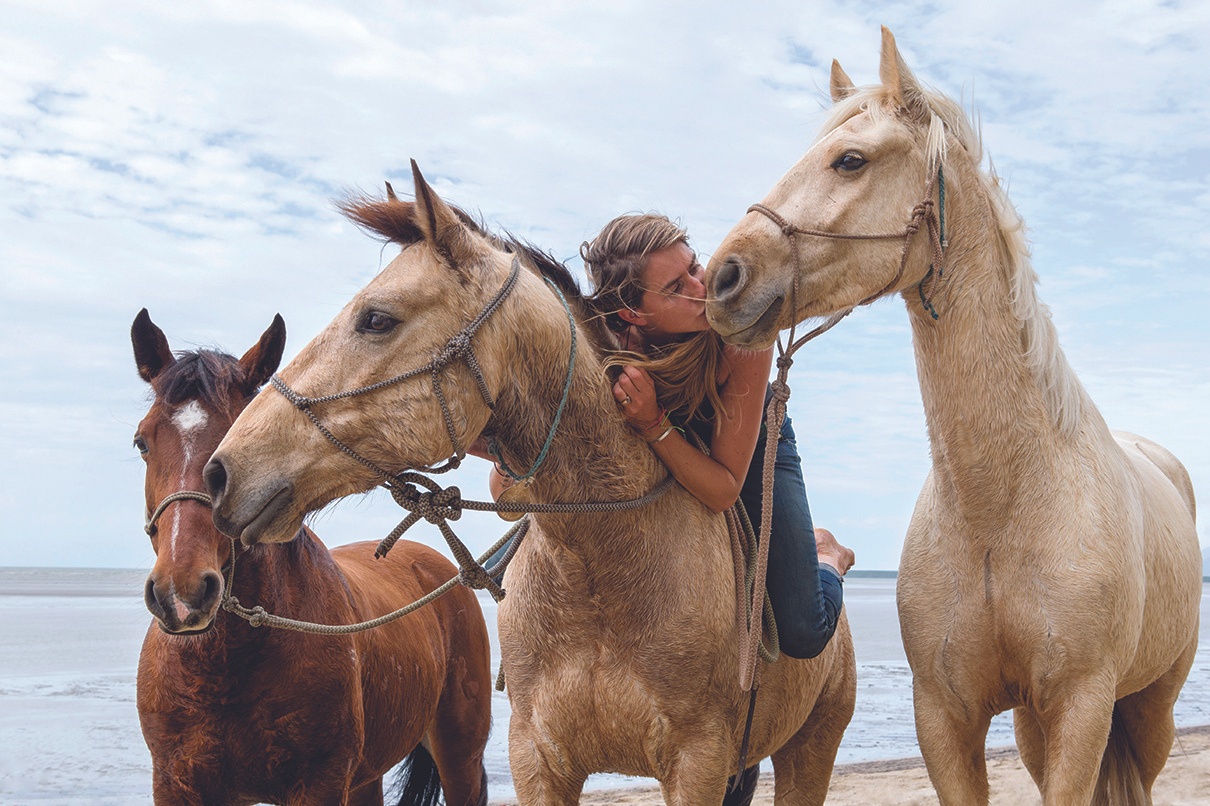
{"x": 831, "y": 552}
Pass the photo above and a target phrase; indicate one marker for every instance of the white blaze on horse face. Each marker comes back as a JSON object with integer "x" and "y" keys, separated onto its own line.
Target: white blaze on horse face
{"x": 190, "y": 419}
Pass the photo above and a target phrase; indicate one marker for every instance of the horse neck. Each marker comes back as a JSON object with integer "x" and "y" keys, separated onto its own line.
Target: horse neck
{"x": 295, "y": 579}
{"x": 593, "y": 455}
{"x": 996, "y": 415}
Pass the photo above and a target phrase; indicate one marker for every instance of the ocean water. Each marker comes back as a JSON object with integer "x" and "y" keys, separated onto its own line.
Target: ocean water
{"x": 69, "y": 731}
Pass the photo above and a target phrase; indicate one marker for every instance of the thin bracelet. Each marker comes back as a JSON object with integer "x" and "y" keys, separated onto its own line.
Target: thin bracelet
{"x": 654, "y": 423}
{"x": 661, "y": 437}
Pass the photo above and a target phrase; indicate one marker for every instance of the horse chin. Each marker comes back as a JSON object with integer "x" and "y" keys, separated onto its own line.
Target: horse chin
{"x": 186, "y": 632}
{"x": 275, "y": 521}
{"x": 759, "y": 332}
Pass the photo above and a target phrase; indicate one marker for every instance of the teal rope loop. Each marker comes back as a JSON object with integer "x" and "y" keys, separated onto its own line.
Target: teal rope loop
{"x": 494, "y": 447}
{"x": 925, "y": 302}
{"x": 941, "y": 205}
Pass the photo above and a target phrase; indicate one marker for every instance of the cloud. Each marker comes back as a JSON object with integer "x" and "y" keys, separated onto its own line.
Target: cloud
{"x": 183, "y": 157}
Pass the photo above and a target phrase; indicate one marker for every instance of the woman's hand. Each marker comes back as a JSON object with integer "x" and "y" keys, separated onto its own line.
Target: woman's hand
{"x": 635, "y": 393}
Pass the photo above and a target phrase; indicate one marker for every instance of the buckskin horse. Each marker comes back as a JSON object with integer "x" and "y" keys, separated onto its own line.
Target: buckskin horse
{"x": 619, "y": 630}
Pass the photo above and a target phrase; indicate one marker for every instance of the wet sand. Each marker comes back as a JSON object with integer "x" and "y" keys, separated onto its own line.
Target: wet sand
{"x": 1185, "y": 781}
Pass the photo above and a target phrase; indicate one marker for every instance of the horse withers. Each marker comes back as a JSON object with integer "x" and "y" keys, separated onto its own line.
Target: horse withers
{"x": 1051, "y": 565}
{"x": 238, "y": 715}
{"x": 619, "y": 630}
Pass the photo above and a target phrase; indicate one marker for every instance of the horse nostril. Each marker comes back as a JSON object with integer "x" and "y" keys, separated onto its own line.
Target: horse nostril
{"x": 212, "y": 585}
{"x": 728, "y": 280}
{"x": 215, "y": 477}
{"x": 151, "y": 600}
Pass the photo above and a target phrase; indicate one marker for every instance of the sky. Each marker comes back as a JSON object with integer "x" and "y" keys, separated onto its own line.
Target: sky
{"x": 184, "y": 157}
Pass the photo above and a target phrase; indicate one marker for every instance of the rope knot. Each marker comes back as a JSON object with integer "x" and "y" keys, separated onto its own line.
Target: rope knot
{"x": 456, "y": 347}
{"x": 258, "y": 617}
{"x": 434, "y": 507}
{"x": 475, "y": 578}
{"x": 781, "y": 389}
{"x": 296, "y": 400}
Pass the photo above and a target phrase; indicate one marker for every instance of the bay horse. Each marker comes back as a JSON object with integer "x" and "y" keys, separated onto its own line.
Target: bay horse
{"x": 234, "y": 714}
{"x": 618, "y": 632}
{"x": 1051, "y": 566}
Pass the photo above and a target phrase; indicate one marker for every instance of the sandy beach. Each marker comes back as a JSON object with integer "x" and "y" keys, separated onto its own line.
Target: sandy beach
{"x": 1185, "y": 781}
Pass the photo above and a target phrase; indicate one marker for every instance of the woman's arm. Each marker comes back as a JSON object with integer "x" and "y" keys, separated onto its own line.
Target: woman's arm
{"x": 717, "y": 479}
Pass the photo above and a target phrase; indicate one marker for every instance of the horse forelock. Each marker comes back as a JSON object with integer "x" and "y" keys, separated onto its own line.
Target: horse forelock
{"x": 214, "y": 379}
{"x": 392, "y": 219}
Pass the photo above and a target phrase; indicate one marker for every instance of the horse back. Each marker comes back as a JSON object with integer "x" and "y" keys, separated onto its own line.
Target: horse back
{"x": 1142, "y": 450}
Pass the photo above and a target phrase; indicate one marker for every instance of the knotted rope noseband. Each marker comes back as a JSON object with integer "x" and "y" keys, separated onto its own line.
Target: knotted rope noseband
{"x": 438, "y": 505}
{"x": 460, "y": 345}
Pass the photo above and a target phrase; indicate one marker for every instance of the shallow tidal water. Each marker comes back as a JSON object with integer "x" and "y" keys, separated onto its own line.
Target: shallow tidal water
{"x": 69, "y": 731}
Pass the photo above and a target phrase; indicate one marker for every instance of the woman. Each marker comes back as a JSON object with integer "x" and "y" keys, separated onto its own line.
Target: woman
{"x": 676, "y": 373}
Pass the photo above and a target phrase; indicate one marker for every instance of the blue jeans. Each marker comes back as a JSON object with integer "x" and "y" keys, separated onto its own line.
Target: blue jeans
{"x": 806, "y": 598}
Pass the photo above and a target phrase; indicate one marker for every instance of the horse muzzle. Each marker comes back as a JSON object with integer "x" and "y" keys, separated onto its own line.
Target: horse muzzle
{"x": 180, "y": 613}
{"x": 741, "y": 313}
{"x": 253, "y": 513}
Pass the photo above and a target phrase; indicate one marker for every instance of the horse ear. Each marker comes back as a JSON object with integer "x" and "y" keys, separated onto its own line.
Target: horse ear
{"x": 261, "y": 361}
{"x": 841, "y": 85}
{"x": 440, "y": 225}
{"x": 151, "y": 352}
{"x": 895, "y": 75}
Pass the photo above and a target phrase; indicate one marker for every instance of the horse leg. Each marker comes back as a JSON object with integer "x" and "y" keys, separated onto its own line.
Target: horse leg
{"x": 1031, "y": 744}
{"x": 1076, "y": 727}
{"x": 699, "y": 776}
{"x": 459, "y": 762}
{"x": 802, "y": 768}
{"x": 457, "y": 739}
{"x": 1141, "y": 738}
{"x": 952, "y": 740}
{"x": 541, "y": 775}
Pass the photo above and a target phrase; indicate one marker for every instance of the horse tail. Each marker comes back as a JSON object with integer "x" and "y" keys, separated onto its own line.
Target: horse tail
{"x": 1119, "y": 782}
{"x": 419, "y": 782}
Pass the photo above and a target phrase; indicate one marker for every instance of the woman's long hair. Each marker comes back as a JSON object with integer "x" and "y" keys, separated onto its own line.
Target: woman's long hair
{"x": 685, "y": 371}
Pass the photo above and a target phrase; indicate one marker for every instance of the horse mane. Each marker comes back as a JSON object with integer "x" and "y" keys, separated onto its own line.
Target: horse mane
{"x": 392, "y": 219}
{"x": 215, "y": 379}
{"x": 1062, "y": 392}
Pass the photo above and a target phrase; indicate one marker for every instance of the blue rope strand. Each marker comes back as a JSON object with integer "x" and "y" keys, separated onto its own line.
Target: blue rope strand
{"x": 554, "y": 426}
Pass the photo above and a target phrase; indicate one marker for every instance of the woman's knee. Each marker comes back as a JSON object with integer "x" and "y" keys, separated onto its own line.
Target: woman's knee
{"x": 804, "y": 644}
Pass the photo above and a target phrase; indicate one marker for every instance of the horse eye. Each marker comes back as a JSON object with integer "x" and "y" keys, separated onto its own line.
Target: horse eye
{"x": 376, "y": 322}
{"x": 141, "y": 445}
{"x": 849, "y": 162}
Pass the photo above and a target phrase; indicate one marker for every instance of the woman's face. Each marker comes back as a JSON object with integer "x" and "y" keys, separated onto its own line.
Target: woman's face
{"x": 674, "y": 297}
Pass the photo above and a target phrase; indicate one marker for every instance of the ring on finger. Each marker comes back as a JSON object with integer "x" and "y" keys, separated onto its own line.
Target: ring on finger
{"x": 626, "y": 400}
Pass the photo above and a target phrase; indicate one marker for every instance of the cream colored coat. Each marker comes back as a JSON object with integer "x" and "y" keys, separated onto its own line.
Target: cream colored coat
{"x": 1051, "y": 566}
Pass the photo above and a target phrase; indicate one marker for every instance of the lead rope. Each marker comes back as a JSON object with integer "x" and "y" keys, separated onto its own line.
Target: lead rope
{"x": 775, "y": 413}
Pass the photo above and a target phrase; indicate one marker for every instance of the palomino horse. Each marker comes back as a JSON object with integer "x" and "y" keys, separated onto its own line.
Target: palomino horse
{"x": 236, "y": 715}
{"x": 1050, "y": 566}
{"x": 618, "y": 633}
